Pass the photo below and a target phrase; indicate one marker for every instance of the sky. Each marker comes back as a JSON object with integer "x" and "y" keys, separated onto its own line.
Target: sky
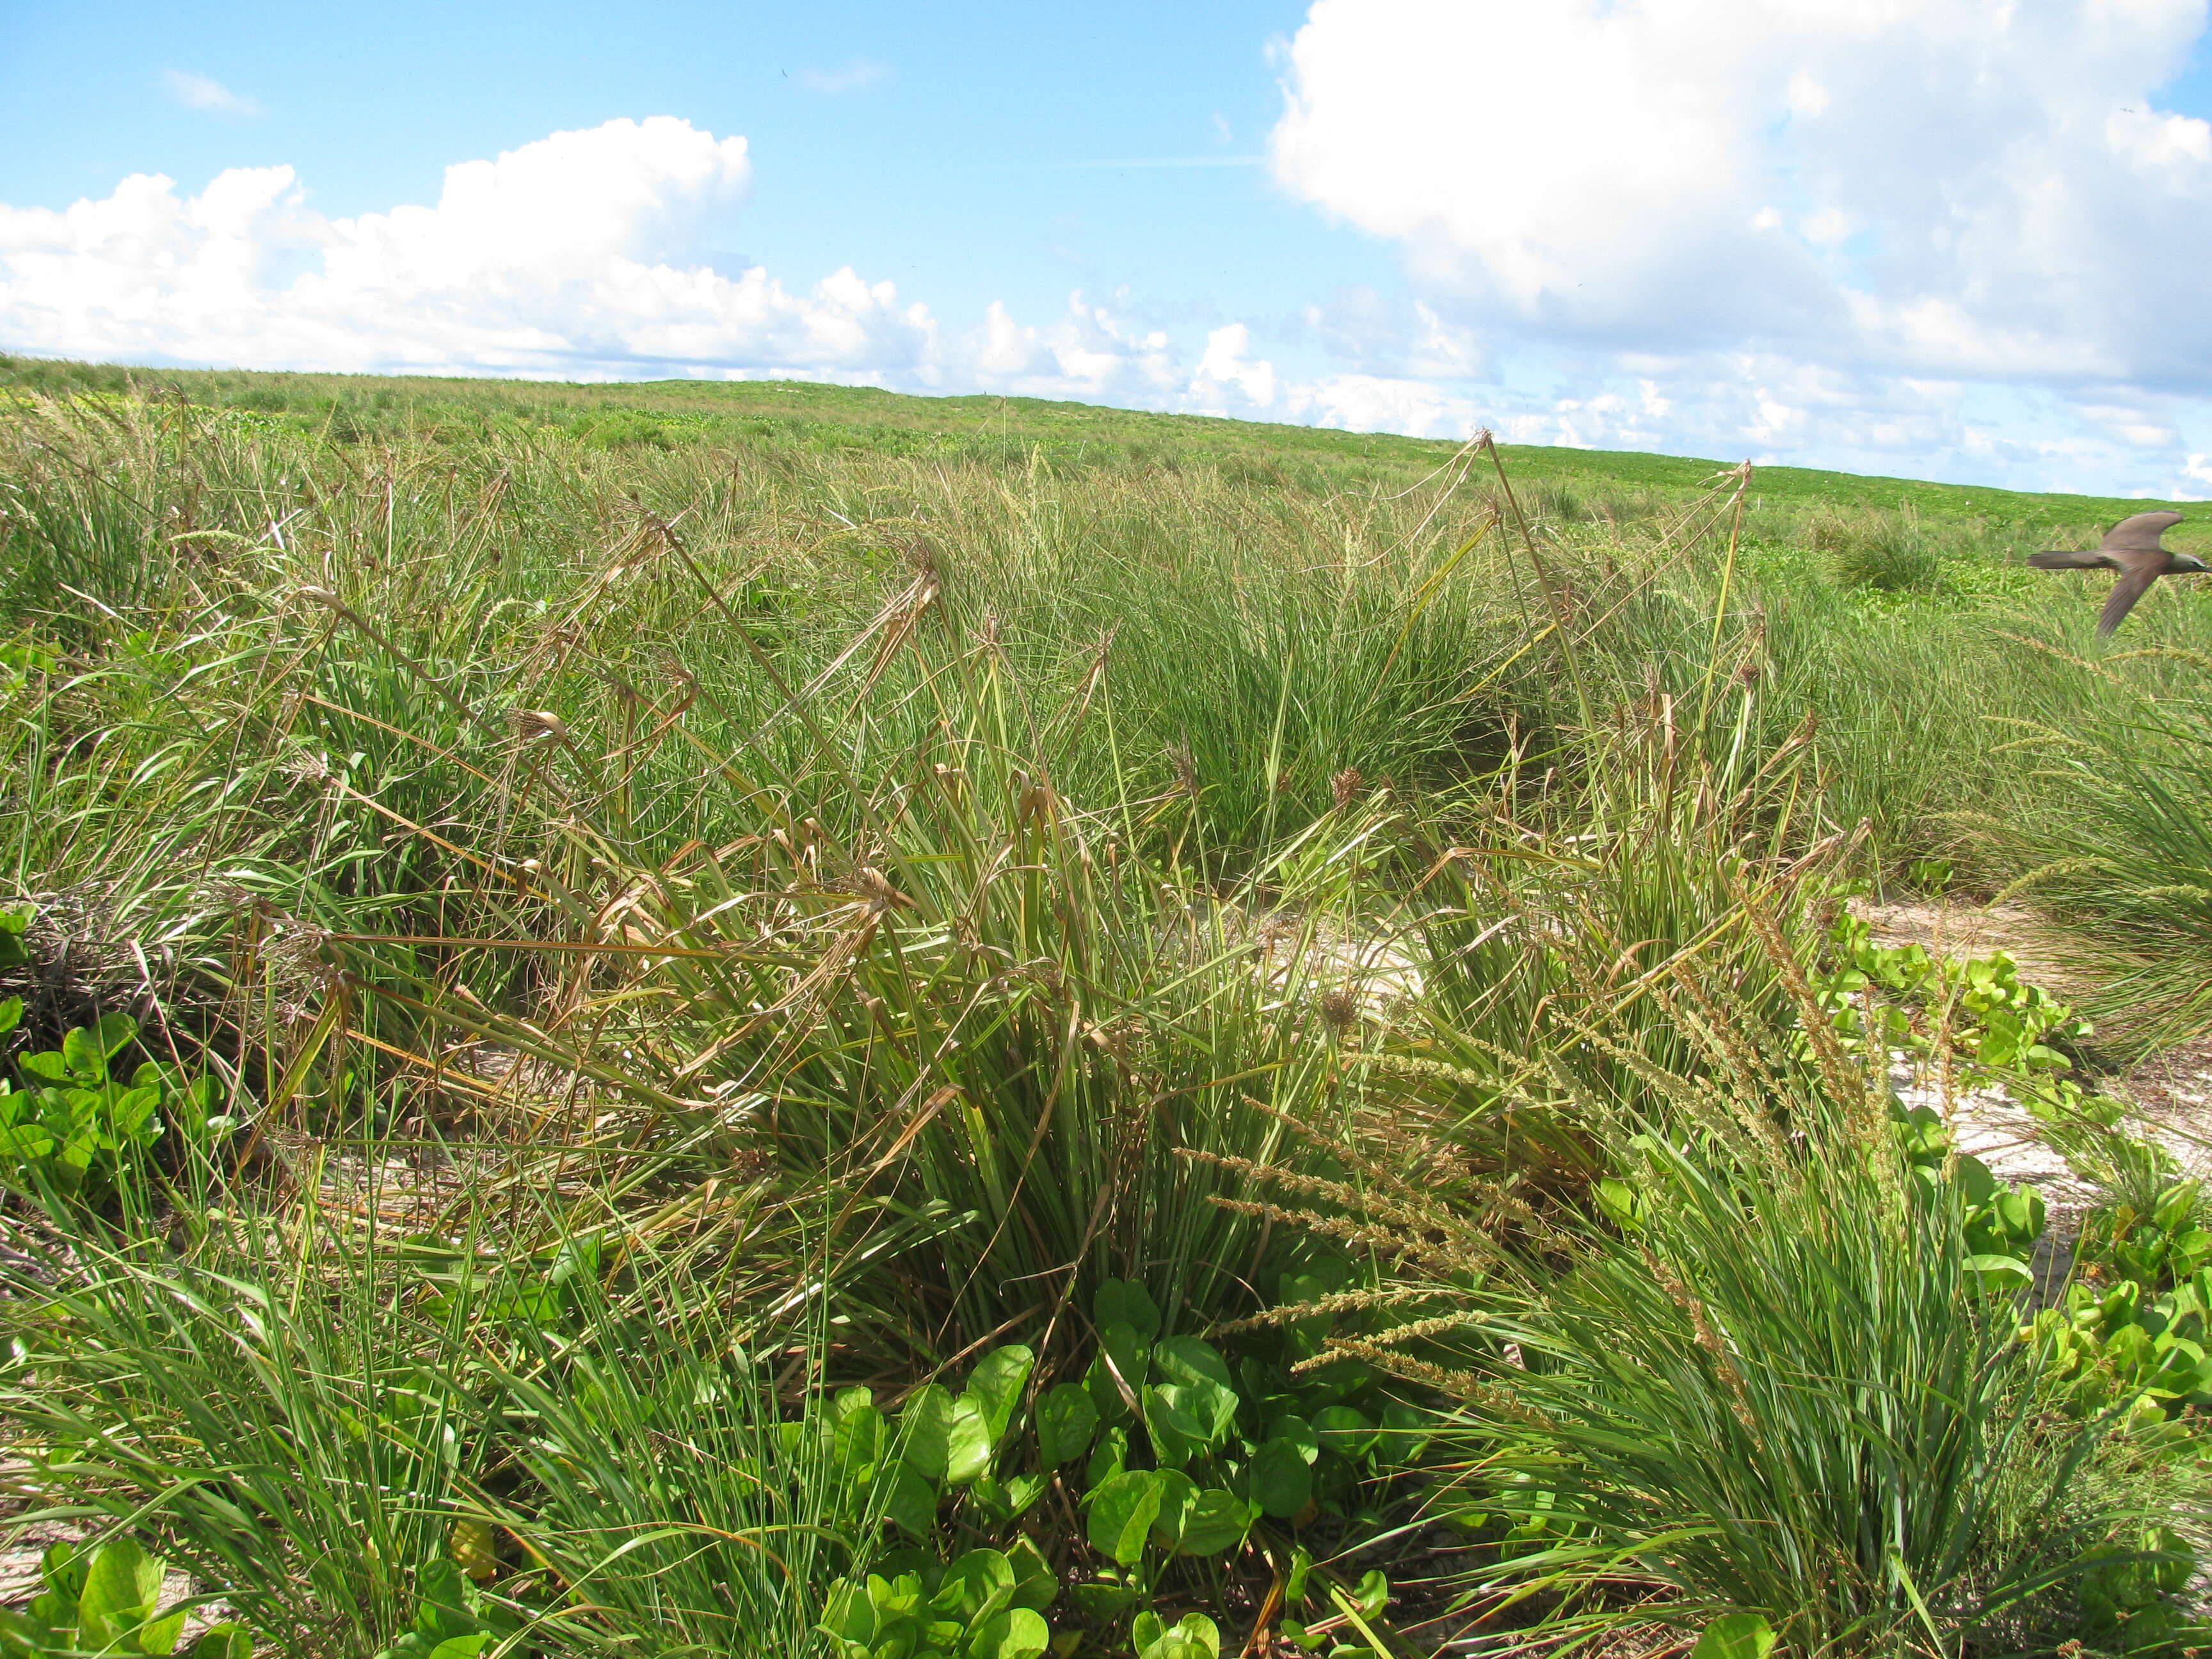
{"x": 1965, "y": 240}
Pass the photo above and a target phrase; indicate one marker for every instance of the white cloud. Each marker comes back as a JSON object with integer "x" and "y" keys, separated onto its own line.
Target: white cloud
{"x": 1787, "y": 209}
{"x": 858, "y": 76}
{"x": 591, "y": 255}
{"x": 584, "y": 255}
{"x": 1980, "y": 187}
{"x": 578, "y": 254}
{"x": 1226, "y": 374}
{"x": 198, "y": 92}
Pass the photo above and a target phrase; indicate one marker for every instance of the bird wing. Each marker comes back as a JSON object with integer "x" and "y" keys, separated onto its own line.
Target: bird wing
{"x": 2068, "y": 560}
{"x": 2135, "y": 581}
{"x": 2140, "y": 534}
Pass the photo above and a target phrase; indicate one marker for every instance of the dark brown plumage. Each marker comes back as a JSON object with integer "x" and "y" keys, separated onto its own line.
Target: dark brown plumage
{"x": 2131, "y": 547}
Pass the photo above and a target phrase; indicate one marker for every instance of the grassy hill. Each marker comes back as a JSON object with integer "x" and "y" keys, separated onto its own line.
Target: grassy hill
{"x": 835, "y": 419}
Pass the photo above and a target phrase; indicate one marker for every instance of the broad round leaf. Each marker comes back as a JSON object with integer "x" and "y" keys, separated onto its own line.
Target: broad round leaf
{"x": 1117, "y": 1372}
{"x": 1065, "y": 1421}
{"x": 1282, "y": 1479}
{"x": 1035, "y": 1584}
{"x": 927, "y": 1419}
{"x": 1178, "y": 1491}
{"x": 1194, "y": 1636}
{"x": 1177, "y": 1436}
{"x": 966, "y": 1442}
{"x": 222, "y": 1642}
{"x": 1187, "y": 1359}
{"x": 977, "y": 1586}
{"x": 858, "y": 1440}
{"x": 1736, "y": 1636}
{"x": 912, "y": 1503}
{"x": 1123, "y": 1511}
{"x": 1406, "y": 1431}
{"x": 1122, "y": 1302}
{"x": 1214, "y": 1521}
{"x": 1343, "y": 1431}
{"x": 1998, "y": 1273}
{"x": 995, "y": 1385}
{"x": 1016, "y": 1633}
{"x": 1108, "y": 1459}
{"x": 121, "y": 1586}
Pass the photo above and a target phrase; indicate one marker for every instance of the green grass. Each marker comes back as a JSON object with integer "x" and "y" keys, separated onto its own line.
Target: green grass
{"x": 785, "y": 416}
{"x": 857, "y": 877}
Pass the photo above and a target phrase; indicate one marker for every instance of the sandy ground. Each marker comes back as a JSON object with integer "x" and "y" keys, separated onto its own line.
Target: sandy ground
{"x": 19, "y": 1563}
{"x": 1971, "y": 931}
{"x": 2170, "y": 1095}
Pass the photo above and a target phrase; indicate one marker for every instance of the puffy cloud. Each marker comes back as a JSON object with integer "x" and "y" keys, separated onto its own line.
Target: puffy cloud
{"x": 1958, "y": 186}
{"x": 579, "y": 254}
{"x": 584, "y": 254}
{"x": 1816, "y": 224}
{"x": 591, "y": 255}
{"x": 1227, "y": 372}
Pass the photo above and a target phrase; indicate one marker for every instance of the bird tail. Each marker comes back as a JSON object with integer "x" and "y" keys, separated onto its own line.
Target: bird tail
{"x": 2066, "y": 561}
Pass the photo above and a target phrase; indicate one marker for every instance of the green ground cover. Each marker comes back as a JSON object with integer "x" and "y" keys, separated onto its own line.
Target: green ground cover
{"x": 765, "y": 1019}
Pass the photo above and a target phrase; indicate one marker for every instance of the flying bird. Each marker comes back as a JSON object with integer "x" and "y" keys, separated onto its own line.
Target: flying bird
{"x": 2131, "y": 547}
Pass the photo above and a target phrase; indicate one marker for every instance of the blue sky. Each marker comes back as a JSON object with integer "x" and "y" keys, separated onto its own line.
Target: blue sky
{"x": 1423, "y": 214}
{"x": 962, "y": 161}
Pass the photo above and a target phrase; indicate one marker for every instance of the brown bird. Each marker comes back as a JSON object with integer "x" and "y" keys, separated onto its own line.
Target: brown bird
{"x": 2131, "y": 547}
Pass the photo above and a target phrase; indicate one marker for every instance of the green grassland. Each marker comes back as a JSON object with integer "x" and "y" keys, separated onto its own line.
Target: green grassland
{"x": 861, "y": 420}
{"x": 749, "y": 1018}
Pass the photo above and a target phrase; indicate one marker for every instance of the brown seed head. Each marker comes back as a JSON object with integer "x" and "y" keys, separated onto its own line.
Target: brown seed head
{"x": 1339, "y": 1008}
{"x": 1185, "y": 769}
{"x": 881, "y": 895}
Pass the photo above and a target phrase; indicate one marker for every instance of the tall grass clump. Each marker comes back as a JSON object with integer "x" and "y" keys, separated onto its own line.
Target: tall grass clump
{"x": 2119, "y": 835}
{"x": 973, "y": 1003}
{"x": 1774, "y": 1385}
{"x": 323, "y": 1413}
{"x": 1890, "y": 556}
{"x": 1757, "y": 1370}
{"x": 293, "y": 1437}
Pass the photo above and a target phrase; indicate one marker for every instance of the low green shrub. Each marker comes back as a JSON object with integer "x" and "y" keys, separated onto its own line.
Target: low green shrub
{"x": 453, "y": 1619}
{"x": 75, "y": 1130}
{"x": 105, "y": 1600}
{"x": 1181, "y": 1456}
{"x": 2130, "y": 1334}
{"x": 2134, "y": 1597}
{"x": 1975, "y": 1015}
{"x": 987, "y": 1604}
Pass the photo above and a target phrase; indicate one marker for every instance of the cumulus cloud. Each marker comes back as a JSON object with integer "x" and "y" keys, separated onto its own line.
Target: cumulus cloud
{"x": 592, "y": 255}
{"x": 198, "y": 92}
{"x": 580, "y": 253}
{"x": 585, "y": 255}
{"x": 1903, "y": 196}
{"x": 1967, "y": 186}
